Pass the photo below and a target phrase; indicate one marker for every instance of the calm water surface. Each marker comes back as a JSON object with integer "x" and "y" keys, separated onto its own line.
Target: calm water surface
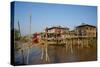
{"x": 57, "y": 54}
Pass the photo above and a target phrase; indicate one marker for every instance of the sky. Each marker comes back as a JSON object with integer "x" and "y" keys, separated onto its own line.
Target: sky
{"x": 47, "y": 15}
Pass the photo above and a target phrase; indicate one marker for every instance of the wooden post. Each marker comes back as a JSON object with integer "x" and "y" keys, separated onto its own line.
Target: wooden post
{"x": 19, "y": 29}
{"x": 71, "y": 44}
{"x": 47, "y": 57}
{"x": 82, "y": 42}
{"x": 42, "y": 52}
{"x": 87, "y": 41}
{"x": 27, "y": 55}
{"x": 30, "y": 25}
{"x": 22, "y": 52}
{"x": 66, "y": 45}
{"x": 28, "y": 49}
{"x": 66, "y": 41}
{"x": 78, "y": 40}
{"x": 82, "y": 38}
{"x": 46, "y": 44}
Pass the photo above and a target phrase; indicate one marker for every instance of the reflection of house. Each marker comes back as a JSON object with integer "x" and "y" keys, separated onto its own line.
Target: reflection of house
{"x": 86, "y": 30}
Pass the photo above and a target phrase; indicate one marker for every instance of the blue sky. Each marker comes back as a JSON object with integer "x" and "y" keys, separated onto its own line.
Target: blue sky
{"x": 48, "y": 15}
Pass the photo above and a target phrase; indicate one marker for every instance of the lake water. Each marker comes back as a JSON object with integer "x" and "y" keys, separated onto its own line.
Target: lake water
{"x": 57, "y": 54}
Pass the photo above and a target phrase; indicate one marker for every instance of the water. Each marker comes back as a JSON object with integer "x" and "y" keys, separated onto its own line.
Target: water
{"x": 57, "y": 54}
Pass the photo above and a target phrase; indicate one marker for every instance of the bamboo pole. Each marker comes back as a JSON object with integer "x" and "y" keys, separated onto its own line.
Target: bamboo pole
{"x": 71, "y": 48}
{"x": 87, "y": 41}
{"x": 46, "y": 45}
{"x": 42, "y": 52}
{"x": 66, "y": 46}
{"x": 22, "y": 56}
{"x": 19, "y": 29}
{"x": 66, "y": 39}
{"x": 30, "y": 25}
{"x": 77, "y": 38}
{"x": 78, "y": 42}
{"x": 22, "y": 50}
{"x": 82, "y": 42}
{"x": 27, "y": 56}
{"x": 82, "y": 39}
{"x": 46, "y": 49}
{"x": 28, "y": 50}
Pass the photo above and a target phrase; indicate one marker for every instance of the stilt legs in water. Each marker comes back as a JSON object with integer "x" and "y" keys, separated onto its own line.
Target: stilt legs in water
{"x": 69, "y": 45}
{"x": 44, "y": 54}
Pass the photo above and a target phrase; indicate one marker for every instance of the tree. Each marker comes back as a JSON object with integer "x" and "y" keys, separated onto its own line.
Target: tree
{"x": 16, "y": 34}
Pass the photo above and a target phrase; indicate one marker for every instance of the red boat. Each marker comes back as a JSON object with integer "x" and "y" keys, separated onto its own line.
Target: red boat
{"x": 35, "y": 37}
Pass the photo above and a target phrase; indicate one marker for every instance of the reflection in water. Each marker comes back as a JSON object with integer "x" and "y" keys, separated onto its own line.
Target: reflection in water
{"x": 57, "y": 54}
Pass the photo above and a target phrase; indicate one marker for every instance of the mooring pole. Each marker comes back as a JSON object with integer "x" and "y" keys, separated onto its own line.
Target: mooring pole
{"x": 27, "y": 55}
{"x": 19, "y": 29}
{"x": 29, "y": 43}
{"x": 22, "y": 51}
{"x": 42, "y": 52}
{"x": 30, "y": 25}
{"x": 46, "y": 44}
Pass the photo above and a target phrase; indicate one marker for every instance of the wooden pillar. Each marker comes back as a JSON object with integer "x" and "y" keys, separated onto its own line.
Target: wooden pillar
{"x": 67, "y": 44}
{"x": 82, "y": 41}
{"x": 78, "y": 42}
{"x": 71, "y": 45}
{"x": 87, "y": 42}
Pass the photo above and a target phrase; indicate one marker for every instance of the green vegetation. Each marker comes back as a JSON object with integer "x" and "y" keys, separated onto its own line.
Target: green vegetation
{"x": 16, "y": 46}
{"x": 16, "y": 35}
{"x": 16, "y": 38}
{"x": 24, "y": 39}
